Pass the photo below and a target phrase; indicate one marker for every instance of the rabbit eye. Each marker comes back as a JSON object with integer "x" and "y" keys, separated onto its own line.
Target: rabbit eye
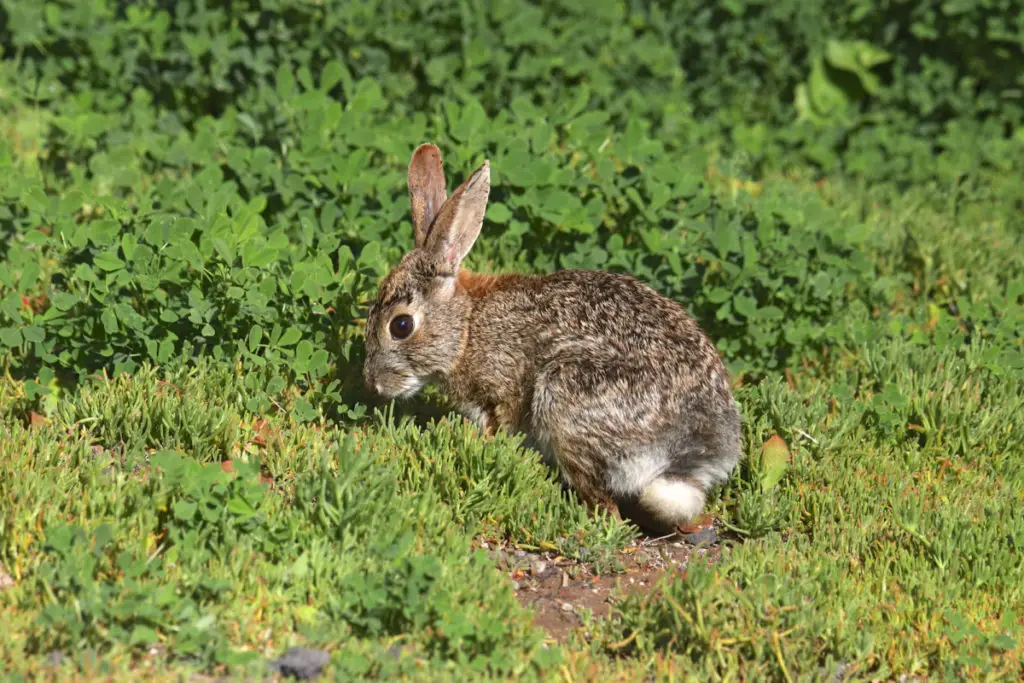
{"x": 401, "y": 326}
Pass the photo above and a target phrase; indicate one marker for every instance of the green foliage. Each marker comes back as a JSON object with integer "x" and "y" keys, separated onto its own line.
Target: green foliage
{"x": 189, "y": 184}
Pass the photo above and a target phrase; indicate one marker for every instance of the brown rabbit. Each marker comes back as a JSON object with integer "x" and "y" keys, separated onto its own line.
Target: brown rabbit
{"x": 610, "y": 381}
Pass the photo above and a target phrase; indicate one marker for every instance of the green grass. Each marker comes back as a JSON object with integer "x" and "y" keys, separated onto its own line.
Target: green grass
{"x": 890, "y": 546}
{"x": 196, "y": 209}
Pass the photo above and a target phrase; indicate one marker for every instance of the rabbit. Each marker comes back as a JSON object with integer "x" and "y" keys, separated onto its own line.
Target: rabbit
{"x": 613, "y": 383}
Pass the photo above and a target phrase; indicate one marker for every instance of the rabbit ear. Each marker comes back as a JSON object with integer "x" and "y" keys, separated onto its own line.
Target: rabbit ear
{"x": 426, "y": 189}
{"x": 460, "y": 220}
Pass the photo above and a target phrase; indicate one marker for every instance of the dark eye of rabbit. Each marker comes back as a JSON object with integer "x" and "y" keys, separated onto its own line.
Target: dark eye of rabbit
{"x": 401, "y": 326}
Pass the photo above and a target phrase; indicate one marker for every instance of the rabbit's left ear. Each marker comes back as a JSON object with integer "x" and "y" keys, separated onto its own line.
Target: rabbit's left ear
{"x": 458, "y": 224}
{"x": 426, "y": 189}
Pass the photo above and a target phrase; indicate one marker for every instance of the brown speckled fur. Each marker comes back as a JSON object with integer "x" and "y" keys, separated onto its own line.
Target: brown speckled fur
{"x": 608, "y": 379}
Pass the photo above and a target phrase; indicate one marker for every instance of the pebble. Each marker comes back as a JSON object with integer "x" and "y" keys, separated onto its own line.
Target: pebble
{"x": 566, "y": 607}
{"x": 520, "y": 553}
{"x": 6, "y": 580}
{"x": 702, "y": 537}
{"x": 841, "y": 671}
{"x": 301, "y": 663}
{"x": 55, "y": 658}
{"x": 515, "y": 585}
{"x": 484, "y": 545}
{"x": 538, "y": 567}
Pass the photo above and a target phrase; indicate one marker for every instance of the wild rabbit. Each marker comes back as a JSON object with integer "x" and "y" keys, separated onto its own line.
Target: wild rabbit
{"x": 610, "y": 381}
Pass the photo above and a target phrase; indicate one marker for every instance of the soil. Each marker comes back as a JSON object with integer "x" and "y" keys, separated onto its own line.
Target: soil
{"x": 558, "y": 590}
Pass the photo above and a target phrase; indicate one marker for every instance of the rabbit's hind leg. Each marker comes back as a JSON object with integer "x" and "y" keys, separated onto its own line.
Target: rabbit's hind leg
{"x": 582, "y": 472}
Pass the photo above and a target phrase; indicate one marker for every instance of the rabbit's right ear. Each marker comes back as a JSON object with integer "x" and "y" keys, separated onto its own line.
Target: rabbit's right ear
{"x": 426, "y": 189}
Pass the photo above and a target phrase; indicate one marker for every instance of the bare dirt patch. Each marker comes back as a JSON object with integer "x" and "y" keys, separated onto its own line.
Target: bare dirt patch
{"x": 559, "y": 589}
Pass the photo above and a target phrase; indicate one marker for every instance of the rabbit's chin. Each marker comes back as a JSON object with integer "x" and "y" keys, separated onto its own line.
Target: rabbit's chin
{"x": 409, "y": 388}
{"x": 406, "y": 387}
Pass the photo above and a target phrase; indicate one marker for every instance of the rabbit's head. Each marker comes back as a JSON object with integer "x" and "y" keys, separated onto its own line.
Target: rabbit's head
{"x": 416, "y": 327}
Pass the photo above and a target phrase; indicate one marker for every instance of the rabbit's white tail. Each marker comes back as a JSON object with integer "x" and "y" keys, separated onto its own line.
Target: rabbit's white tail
{"x": 673, "y": 501}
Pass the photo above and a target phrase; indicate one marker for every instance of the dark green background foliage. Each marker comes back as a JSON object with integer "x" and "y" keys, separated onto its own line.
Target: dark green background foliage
{"x": 230, "y": 180}
{"x": 197, "y": 201}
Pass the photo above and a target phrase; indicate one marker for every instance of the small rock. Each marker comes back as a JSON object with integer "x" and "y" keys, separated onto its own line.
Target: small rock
{"x": 565, "y": 580}
{"x": 566, "y": 607}
{"x": 301, "y": 662}
{"x": 6, "y": 580}
{"x": 484, "y": 545}
{"x": 520, "y": 553}
{"x": 703, "y": 537}
{"x": 538, "y": 567}
{"x": 515, "y": 585}
{"x": 55, "y": 658}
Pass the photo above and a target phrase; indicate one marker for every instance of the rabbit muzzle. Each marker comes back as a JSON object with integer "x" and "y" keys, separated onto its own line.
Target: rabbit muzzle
{"x": 389, "y": 383}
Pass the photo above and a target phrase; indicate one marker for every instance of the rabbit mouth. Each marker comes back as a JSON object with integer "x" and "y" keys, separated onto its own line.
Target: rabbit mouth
{"x": 398, "y": 386}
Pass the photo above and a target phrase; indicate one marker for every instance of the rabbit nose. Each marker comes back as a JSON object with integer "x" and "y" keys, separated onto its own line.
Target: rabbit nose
{"x": 372, "y": 384}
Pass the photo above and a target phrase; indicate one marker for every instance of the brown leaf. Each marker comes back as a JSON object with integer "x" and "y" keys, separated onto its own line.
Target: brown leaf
{"x": 698, "y": 524}
{"x": 263, "y": 433}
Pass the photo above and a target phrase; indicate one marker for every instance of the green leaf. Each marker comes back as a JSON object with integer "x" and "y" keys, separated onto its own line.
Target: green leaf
{"x": 108, "y": 261}
{"x": 109, "y": 320}
{"x": 304, "y": 411}
{"x": 334, "y": 72}
{"x": 33, "y": 333}
{"x": 10, "y": 336}
{"x": 255, "y": 335}
{"x": 290, "y": 337}
{"x": 185, "y": 510}
{"x": 498, "y": 213}
{"x": 129, "y": 242}
{"x": 1004, "y": 641}
{"x": 257, "y": 255}
{"x": 285, "y": 81}
{"x": 719, "y": 295}
{"x": 769, "y": 313}
{"x": 745, "y": 305}
{"x": 241, "y": 507}
{"x": 143, "y": 635}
